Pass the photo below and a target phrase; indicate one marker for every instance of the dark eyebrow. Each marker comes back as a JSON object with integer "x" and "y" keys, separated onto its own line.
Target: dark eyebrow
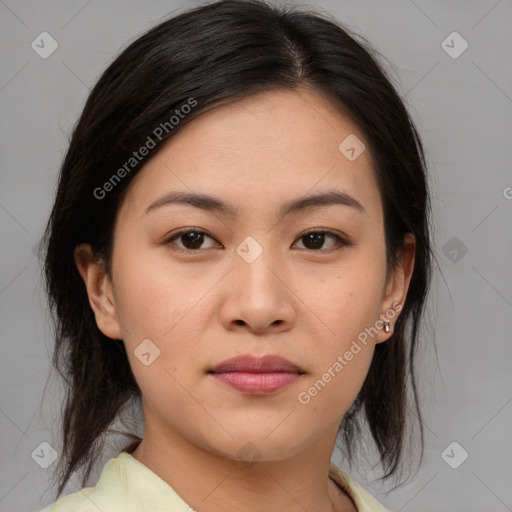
{"x": 210, "y": 203}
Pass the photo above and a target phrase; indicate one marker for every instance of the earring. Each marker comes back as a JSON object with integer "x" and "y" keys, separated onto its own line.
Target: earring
{"x": 386, "y": 327}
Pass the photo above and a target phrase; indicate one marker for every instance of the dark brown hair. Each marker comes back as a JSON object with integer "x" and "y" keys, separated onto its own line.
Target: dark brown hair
{"x": 217, "y": 53}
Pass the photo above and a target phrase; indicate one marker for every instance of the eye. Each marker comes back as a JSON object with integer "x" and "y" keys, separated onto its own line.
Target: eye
{"x": 192, "y": 238}
{"x": 315, "y": 240}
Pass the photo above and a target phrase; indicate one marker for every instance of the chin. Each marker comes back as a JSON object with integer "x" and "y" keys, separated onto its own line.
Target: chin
{"x": 263, "y": 443}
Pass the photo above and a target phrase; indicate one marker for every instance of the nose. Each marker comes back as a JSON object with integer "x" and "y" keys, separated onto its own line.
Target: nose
{"x": 258, "y": 297}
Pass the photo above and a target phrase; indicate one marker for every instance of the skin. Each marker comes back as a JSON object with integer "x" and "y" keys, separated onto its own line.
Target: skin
{"x": 200, "y": 308}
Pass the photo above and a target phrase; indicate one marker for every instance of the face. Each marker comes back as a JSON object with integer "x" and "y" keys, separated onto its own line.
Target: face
{"x": 193, "y": 285}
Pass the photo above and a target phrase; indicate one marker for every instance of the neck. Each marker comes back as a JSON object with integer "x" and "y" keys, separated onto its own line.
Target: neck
{"x": 209, "y": 482}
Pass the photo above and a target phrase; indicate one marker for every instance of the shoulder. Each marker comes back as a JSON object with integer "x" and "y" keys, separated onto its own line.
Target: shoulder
{"x": 124, "y": 484}
{"x": 91, "y": 499}
{"x": 364, "y": 500}
{"x": 78, "y": 502}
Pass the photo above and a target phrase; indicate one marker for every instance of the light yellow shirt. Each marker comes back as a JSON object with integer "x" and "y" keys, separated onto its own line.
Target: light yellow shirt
{"x": 127, "y": 485}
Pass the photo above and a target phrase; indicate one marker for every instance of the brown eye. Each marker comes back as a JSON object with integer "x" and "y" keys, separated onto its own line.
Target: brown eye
{"x": 191, "y": 238}
{"x": 314, "y": 240}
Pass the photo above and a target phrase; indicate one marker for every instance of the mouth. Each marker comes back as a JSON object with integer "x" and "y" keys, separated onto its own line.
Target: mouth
{"x": 257, "y": 375}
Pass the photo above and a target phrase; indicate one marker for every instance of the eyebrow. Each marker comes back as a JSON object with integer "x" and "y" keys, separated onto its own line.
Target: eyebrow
{"x": 214, "y": 204}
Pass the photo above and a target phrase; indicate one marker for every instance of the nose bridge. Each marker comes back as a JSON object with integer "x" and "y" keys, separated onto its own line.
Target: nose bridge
{"x": 254, "y": 263}
{"x": 256, "y": 291}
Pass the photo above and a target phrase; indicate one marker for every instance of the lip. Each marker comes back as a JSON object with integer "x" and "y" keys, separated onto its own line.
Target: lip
{"x": 257, "y": 375}
{"x": 253, "y": 364}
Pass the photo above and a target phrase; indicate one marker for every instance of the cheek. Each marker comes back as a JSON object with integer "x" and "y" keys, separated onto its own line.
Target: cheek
{"x": 152, "y": 301}
{"x": 348, "y": 305}
{"x": 339, "y": 376}
{"x": 348, "y": 302}
{"x": 328, "y": 395}
{"x": 164, "y": 306}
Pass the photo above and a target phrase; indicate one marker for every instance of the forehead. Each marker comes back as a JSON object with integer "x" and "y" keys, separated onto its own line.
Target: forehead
{"x": 268, "y": 148}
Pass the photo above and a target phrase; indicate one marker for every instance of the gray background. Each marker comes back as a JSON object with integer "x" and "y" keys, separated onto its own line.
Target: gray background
{"x": 462, "y": 107}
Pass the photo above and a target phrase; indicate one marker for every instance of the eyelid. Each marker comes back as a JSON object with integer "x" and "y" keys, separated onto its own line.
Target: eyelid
{"x": 328, "y": 231}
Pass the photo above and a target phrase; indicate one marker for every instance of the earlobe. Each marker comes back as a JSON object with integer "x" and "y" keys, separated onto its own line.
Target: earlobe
{"x": 396, "y": 288}
{"x": 99, "y": 290}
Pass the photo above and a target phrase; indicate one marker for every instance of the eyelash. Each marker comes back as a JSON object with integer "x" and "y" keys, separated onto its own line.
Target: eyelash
{"x": 340, "y": 241}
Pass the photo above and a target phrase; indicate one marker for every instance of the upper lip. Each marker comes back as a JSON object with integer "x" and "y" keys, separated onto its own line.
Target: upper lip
{"x": 253, "y": 364}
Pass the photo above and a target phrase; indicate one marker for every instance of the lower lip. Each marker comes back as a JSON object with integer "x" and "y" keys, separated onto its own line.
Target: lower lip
{"x": 257, "y": 383}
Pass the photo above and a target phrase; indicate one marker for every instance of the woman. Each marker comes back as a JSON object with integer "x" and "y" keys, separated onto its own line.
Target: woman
{"x": 239, "y": 239}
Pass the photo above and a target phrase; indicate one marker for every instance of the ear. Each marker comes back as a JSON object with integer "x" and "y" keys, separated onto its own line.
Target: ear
{"x": 396, "y": 287}
{"x": 99, "y": 290}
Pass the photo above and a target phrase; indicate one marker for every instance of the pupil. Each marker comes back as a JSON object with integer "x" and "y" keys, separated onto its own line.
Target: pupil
{"x": 194, "y": 238}
{"x": 315, "y": 238}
